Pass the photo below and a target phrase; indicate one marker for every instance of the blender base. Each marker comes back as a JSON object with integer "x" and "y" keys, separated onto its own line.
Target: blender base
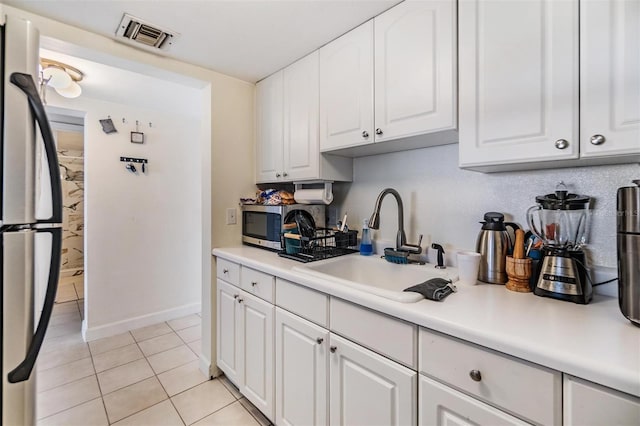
{"x": 562, "y": 275}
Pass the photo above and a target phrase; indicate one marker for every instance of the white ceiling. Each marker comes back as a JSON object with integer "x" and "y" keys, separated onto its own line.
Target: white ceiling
{"x": 247, "y": 39}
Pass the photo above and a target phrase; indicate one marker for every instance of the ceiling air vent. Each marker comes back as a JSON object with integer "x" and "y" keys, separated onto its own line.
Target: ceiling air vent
{"x": 138, "y": 31}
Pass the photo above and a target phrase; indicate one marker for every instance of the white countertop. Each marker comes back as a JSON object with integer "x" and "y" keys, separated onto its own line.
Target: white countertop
{"x": 594, "y": 341}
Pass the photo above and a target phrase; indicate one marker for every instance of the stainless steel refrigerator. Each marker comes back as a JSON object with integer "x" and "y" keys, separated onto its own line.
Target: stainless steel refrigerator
{"x": 22, "y": 115}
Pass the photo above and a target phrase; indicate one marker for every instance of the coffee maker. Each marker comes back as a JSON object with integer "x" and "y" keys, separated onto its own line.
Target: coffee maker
{"x": 561, "y": 221}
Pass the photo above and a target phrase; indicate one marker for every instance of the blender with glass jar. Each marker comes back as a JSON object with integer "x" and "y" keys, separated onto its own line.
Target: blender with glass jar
{"x": 561, "y": 221}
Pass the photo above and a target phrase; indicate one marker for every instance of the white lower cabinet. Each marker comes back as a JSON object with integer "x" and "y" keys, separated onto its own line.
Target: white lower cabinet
{"x": 302, "y": 392}
{"x": 444, "y": 406}
{"x": 589, "y": 404}
{"x": 297, "y": 372}
{"x": 369, "y": 389}
{"x": 245, "y": 344}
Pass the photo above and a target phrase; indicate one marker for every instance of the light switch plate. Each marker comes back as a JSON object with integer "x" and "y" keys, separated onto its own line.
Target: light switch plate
{"x": 231, "y": 216}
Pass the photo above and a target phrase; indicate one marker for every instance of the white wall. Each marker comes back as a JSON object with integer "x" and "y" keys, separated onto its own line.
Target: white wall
{"x": 445, "y": 203}
{"x": 228, "y": 126}
{"x": 143, "y": 231}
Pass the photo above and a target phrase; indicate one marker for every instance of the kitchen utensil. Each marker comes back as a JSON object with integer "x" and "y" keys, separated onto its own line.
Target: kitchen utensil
{"x": 518, "y": 266}
{"x": 304, "y": 220}
{"x": 468, "y": 266}
{"x": 561, "y": 221}
{"x": 493, "y": 244}
{"x": 628, "y": 227}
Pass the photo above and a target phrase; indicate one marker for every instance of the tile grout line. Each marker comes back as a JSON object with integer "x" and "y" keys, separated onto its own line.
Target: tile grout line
{"x": 104, "y": 407}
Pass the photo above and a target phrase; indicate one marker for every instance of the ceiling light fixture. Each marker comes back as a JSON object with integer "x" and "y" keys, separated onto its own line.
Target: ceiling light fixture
{"x": 61, "y": 77}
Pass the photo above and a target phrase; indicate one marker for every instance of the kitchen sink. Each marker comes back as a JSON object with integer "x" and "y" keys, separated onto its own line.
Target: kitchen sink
{"x": 375, "y": 275}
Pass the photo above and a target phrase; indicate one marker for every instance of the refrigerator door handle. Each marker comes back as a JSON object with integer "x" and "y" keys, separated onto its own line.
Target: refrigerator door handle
{"x": 25, "y": 83}
{"x": 23, "y": 370}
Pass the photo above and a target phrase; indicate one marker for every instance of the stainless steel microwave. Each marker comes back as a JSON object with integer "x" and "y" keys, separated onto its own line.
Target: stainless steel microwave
{"x": 262, "y": 225}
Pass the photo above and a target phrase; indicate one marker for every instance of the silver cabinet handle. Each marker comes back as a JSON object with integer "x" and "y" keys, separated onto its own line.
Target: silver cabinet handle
{"x": 277, "y": 175}
{"x": 597, "y": 140}
{"x": 254, "y": 283}
{"x": 285, "y": 174}
{"x": 319, "y": 340}
{"x": 225, "y": 271}
{"x": 475, "y": 375}
{"x": 333, "y": 348}
{"x": 365, "y": 134}
{"x": 562, "y": 143}
{"x": 378, "y": 131}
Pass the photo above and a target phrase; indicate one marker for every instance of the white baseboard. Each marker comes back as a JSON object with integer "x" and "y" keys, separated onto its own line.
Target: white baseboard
{"x": 205, "y": 366}
{"x": 111, "y": 329}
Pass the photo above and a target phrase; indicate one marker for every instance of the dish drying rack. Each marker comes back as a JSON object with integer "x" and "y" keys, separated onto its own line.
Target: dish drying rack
{"x": 325, "y": 244}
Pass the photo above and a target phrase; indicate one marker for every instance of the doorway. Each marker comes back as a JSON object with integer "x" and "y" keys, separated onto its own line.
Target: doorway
{"x": 69, "y": 135}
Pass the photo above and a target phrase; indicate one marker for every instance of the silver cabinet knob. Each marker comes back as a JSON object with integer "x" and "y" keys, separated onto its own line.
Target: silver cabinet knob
{"x": 285, "y": 174}
{"x": 475, "y": 375}
{"x": 562, "y": 143}
{"x": 365, "y": 134}
{"x": 278, "y": 175}
{"x": 254, "y": 283}
{"x": 333, "y": 348}
{"x": 378, "y": 131}
{"x": 225, "y": 271}
{"x": 319, "y": 340}
{"x": 597, "y": 140}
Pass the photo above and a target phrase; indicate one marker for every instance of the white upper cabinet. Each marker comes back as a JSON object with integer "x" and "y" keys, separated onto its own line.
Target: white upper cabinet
{"x": 269, "y": 119}
{"x": 287, "y": 121}
{"x": 547, "y": 83}
{"x": 391, "y": 78}
{"x": 609, "y": 77}
{"x": 346, "y": 90}
{"x": 301, "y": 91}
{"x": 415, "y": 54}
{"x": 518, "y": 81}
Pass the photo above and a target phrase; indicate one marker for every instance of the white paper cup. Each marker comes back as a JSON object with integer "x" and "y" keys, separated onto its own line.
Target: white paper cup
{"x": 468, "y": 266}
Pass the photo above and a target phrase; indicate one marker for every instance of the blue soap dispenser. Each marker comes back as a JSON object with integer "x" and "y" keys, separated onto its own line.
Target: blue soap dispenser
{"x": 366, "y": 248}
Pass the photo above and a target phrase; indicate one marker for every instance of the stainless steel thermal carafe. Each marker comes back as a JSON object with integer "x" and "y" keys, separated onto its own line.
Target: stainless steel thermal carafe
{"x": 629, "y": 251}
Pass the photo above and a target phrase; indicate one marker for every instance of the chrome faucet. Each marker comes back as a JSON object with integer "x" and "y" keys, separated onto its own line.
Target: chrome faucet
{"x": 401, "y": 238}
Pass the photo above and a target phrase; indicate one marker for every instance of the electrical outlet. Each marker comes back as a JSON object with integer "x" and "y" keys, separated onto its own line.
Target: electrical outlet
{"x": 231, "y": 216}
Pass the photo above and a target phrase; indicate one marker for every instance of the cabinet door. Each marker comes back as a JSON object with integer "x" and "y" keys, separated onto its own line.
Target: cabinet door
{"x": 441, "y": 405}
{"x": 415, "y": 69}
{"x": 301, "y": 371}
{"x": 609, "y": 77}
{"x": 346, "y": 90}
{"x": 368, "y": 389}
{"x": 228, "y": 332}
{"x": 301, "y": 111}
{"x": 588, "y": 404}
{"x": 269, "y": 131}
{"x": 518, "y": 81}
{"x": 256, "y": 322}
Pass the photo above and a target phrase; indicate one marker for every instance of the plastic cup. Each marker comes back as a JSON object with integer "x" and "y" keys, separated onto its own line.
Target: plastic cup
{"x": 468, "y": 267}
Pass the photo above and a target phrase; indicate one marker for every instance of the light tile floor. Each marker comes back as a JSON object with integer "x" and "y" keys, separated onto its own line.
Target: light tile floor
{"x": 148, "y": 376}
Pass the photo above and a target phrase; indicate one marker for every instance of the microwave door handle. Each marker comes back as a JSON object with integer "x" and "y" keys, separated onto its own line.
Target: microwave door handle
{"x": 25, "y": 83}
{"x": 24, "y": 369}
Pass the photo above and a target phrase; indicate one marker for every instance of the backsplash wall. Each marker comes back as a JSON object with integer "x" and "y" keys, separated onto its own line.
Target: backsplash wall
{"x": 446, "y": 203}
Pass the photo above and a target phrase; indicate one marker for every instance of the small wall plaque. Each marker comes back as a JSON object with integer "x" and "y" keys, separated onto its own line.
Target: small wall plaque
{"x": 137, "y": 137}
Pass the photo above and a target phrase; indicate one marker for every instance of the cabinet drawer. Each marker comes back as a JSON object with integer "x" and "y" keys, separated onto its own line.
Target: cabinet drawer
{"x": 257, "y": 283}
{"x": 307, "y": 303}
{"x": 589, "y": 404}
{"x": 391, "y": 337}
{"x": 228, "y": 271}
{"x": 440, "y": 404}
{"x": 521, "y": 388}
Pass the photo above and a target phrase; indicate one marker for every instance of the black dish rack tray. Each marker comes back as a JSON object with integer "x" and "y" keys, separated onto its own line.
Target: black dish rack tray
{"x": 325, "y": 244}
